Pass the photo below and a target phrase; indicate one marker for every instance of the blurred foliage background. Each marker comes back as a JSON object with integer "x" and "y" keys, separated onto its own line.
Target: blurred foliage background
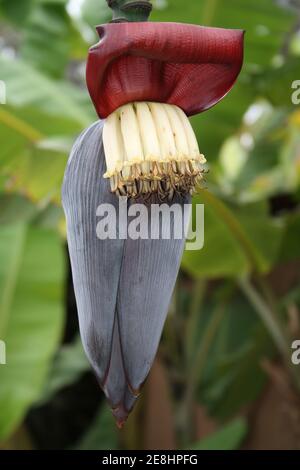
{"x": 223, "y": 378}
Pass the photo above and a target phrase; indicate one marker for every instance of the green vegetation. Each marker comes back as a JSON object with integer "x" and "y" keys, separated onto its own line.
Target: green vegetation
{"x": 237, "y": 300}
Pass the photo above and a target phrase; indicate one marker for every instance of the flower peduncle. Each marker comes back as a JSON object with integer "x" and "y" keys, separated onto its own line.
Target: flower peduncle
{"x": 130, "y": 10}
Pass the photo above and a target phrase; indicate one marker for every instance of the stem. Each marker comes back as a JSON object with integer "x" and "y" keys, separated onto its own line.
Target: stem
{"x": 273, "y": 326}
{"x": 171, "y": 330}
{"x": 209, "y": 10}
{"x": 266, "y": 315}
{"x": 130, "y": 10}
{"x": 193, "y": 317}
{"x": 20, "y": 126}
{"x": 235, "y": 227}
{"x": 268, "y": 294}
{"x": 195, "y": 372}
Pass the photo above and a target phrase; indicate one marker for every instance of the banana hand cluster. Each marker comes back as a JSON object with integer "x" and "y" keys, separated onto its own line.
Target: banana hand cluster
{"x": 151, "y": 148}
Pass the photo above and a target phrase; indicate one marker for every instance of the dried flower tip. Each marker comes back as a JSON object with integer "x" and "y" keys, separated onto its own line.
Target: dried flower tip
{"x": 151, "y": 148}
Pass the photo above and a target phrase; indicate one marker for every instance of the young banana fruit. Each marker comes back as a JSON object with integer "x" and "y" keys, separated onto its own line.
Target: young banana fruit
{"x": 151, "y": 148}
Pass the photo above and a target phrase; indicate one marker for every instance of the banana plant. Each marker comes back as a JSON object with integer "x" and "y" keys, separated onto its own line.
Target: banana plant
{"x": 145, "y": 80}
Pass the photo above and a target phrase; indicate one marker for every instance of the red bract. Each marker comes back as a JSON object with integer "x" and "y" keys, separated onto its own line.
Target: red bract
{"x": 190, "y": 66}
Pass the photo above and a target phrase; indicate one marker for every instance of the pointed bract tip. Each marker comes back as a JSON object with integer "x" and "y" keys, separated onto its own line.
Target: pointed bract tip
{"x": 120, "y": 414}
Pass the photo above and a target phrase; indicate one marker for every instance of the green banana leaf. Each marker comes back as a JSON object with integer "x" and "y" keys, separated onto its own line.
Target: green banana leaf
{"x": 31, "y": 316}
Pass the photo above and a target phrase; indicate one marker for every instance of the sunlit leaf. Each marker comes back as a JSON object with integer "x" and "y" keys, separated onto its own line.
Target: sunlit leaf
{"x": 31, "y": 317}
{"x": 26, "y": 87}
{"x": 237, "y": 240}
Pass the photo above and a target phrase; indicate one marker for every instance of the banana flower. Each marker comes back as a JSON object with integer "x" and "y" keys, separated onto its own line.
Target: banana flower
{"x": 145, "y": 80}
